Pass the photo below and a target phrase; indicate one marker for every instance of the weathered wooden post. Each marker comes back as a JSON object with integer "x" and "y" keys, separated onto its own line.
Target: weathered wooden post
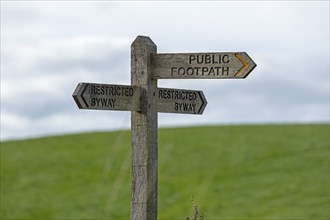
{"x": 144, "y": 100}
{"x": 144, "y": 133}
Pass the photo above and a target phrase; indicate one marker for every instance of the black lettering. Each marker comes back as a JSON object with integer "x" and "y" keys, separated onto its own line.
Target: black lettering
{"x": 168, "y": 94}
{"x": 218, "y": 68}
{"x": 104, "y": 102}
{"x": 112, "y": 91}
{"x": 193, "y": 107}
{"x": 161, "y": 94}
{"x": 176, "y": 95}
{"x": 225, "y": 70}
{"x": 181, "y": 71}
{"x": 98, "y": 90}
{"x": 204, "y": 70}
{"x": 183, "y": 95}
{"x": 211, "y": 71}
{"x": 92, "y": 89}
{"x": 213, "y": 59}
{"x": 113, "y": 101}
{"x": 192, "y": 96}
{"x": 93, "y": 102}
{"x": 200, "y": 59}
{"x": 118, "y": 91}
{"x": 191, "y": 58}
{"x": 197, "y": 68}
{"x": 190, "y": 71}
{"x": 225, "y": 58}
{"x": 181, "y": 106}
{"x": 130, "y": 92}
{"x": 207, "y": 58}
{"x": 172, "y": 70}
{"x": 186, "y": 106}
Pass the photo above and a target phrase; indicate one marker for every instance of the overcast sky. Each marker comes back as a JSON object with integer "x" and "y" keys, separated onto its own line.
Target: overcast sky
{"x": 47, "y": 47}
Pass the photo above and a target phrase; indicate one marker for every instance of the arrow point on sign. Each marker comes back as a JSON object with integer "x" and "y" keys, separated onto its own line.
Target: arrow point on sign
{"x": 75, "y": 95}
{"x": 204, "y": 102}
{"x": 78, "y": 95}
{"x": 248, "y": 65}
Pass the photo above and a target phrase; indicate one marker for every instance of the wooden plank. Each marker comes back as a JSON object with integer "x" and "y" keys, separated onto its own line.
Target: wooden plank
{"x": 202, "y": 65}
{"x": 180, "y": 101}
{"x": 107, "y": 97}
{"x": 144, "y": 191}
{"x": 128, "y": 98}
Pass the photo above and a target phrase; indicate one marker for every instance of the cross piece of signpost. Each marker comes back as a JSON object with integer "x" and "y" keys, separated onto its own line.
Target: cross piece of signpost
{"x": 144, "y": 99}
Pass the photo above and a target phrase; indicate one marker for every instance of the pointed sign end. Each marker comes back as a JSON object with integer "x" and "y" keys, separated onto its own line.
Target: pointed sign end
{"x": 77, "y": 94}
{"x": 248, "y": 65}
{"x": 204, "y": 102}
{"x": 76, "y": 99}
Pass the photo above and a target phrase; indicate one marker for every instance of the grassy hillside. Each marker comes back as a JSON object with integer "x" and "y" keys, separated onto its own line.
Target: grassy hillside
{"x": 236, "y": 172}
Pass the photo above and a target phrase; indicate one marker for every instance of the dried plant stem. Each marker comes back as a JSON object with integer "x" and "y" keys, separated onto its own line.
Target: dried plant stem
{"x": 195, "y": 214}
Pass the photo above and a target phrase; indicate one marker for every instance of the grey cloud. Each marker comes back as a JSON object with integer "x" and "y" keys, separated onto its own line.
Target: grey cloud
{"x": 269, "y": 100}
{"x": 105, "y": 62}
{"x": 47, "y": 50}
{"x": 18, "y": 14}
{"x": 36, "y": 106}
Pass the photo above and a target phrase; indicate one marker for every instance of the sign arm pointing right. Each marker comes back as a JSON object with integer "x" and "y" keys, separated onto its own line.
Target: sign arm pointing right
{"x": 230, "y": 65}
{"x": 248, "y": 65}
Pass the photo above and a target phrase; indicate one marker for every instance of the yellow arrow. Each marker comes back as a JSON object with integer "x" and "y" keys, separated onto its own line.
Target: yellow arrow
{"x": 245, "y": 65}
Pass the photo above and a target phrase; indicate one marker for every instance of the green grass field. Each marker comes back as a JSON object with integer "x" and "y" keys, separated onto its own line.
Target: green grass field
{"x": 230, "y": 172}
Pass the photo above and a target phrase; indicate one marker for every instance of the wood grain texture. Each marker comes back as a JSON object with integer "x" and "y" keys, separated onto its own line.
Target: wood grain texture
{"x": 221, "y": 65}
{"x": 144, "y": 191}
{"x": 97, "y": 96}
{"x": 181, "y": 101}
{"x": 107, "y": 97}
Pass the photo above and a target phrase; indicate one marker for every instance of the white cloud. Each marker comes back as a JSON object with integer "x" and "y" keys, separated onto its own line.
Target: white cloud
{"x": 48, "y": 47}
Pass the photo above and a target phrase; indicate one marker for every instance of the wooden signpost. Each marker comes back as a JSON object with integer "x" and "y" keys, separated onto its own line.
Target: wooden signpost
{"x": 144, "y": 99}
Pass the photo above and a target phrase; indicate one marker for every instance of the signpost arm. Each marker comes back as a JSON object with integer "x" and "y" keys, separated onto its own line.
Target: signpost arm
{"x": 144, "y": 191}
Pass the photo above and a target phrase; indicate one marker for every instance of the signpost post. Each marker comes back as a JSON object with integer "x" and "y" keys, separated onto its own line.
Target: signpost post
{"x": 144, "y": 99}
